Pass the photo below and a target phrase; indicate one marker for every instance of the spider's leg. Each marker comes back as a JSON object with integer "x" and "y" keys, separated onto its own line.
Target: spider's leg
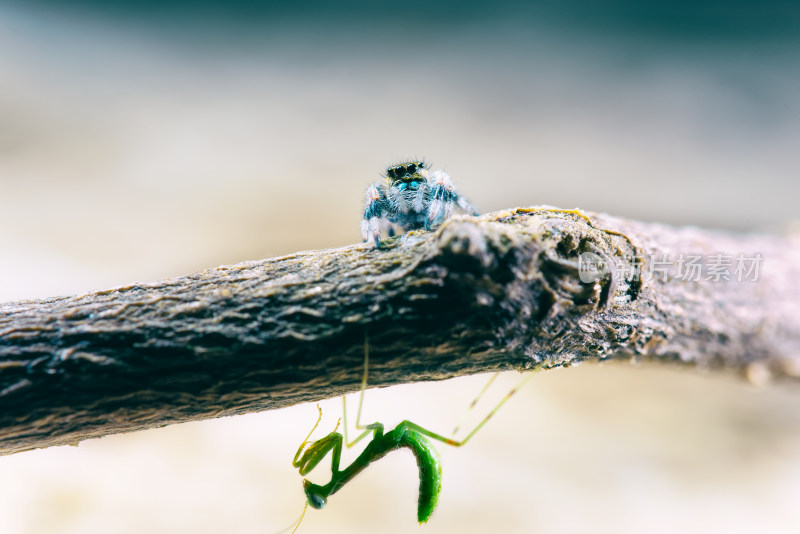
{"x": 420, "y": 198}
{"x": 442, "y": 199}
{"x": 374, "y": 212}
{"x": 466, "y": 206}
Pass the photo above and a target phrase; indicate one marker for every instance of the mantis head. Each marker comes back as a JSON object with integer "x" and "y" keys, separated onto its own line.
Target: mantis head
{"x": 316, "y": 495}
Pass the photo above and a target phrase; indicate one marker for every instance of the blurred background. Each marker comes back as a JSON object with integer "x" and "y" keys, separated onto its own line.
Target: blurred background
{"x": 143, "y": 140}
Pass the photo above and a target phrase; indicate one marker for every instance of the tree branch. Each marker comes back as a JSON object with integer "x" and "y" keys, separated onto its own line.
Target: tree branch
{"x": 501, "y": 291}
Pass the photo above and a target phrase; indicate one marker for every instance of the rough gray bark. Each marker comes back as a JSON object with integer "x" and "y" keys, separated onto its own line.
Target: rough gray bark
{"x": 501, "y": 291}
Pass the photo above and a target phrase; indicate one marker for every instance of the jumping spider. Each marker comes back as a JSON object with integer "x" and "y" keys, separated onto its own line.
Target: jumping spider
{"x": 412, "y": 198}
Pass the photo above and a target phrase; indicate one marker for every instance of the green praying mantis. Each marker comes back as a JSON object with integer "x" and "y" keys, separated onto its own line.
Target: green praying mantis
{"x": 405, "y": 435}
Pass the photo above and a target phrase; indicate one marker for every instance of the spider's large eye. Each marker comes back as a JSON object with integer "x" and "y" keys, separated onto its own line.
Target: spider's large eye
{"x": 411, "y": 168}
{"x": 390, "y": 173}
{"x": 399, "y": 171}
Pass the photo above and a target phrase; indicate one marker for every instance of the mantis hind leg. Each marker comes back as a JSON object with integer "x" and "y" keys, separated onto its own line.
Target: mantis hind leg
{"x": 368, "y": 429}
{"x": 463, "y": 441}
{"x": 475, "y": 402}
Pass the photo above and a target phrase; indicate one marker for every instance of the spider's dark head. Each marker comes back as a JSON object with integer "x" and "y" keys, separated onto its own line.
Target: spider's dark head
{"x": 405, "y": 172}
{"x": 315, "y": 494}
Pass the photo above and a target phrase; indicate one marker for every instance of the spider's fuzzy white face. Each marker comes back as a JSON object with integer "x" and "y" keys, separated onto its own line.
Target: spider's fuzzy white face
{"x": 408, "y": 189}
{"x": 409, "y": 196}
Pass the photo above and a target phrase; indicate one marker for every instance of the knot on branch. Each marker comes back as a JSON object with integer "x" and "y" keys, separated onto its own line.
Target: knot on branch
{"x": 529, "y": 268}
